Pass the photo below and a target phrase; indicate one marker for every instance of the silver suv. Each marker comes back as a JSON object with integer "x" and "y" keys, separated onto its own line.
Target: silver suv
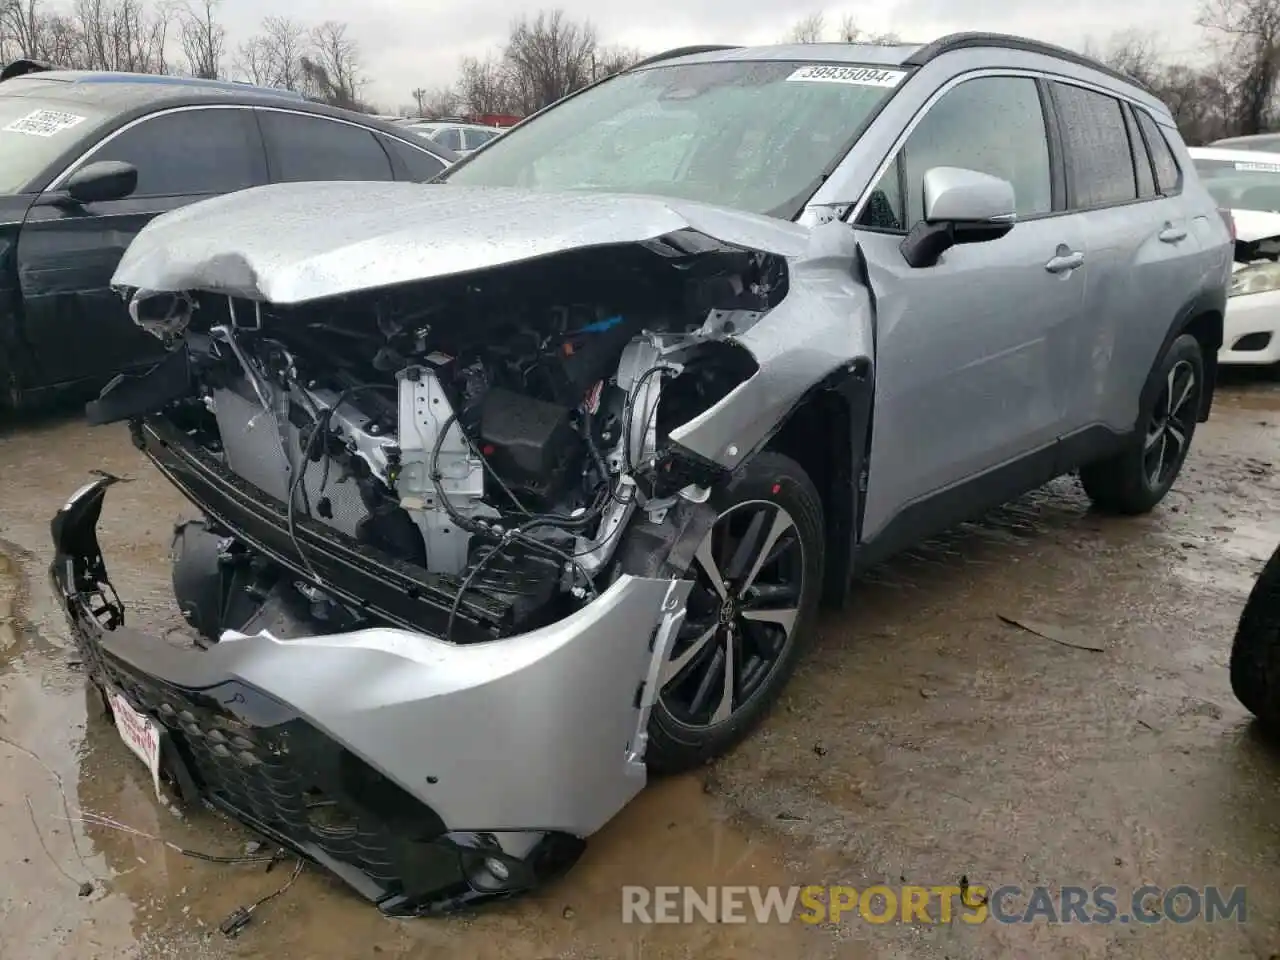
{"x": 522, "y": 485}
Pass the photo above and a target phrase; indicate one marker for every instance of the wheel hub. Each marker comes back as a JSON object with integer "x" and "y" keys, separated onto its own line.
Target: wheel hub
{"x": 750, "y": 581}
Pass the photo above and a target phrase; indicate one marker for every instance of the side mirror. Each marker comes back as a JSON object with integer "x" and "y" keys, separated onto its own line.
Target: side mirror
{"x": 104, "y": 180}
{"x": 960, "y": 206}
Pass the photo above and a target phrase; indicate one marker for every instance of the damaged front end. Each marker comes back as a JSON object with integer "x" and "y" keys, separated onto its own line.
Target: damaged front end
{"x": 447, "y": 526}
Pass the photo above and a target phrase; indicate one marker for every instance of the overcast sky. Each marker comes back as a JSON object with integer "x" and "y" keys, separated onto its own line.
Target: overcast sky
{"x": 412, "y": 43}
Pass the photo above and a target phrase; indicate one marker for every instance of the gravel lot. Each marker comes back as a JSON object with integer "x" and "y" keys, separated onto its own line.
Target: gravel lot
{"x": 926, "y": 738}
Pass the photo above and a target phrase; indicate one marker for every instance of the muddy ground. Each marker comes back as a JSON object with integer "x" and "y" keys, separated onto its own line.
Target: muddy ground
{"x": 924, "y": 739}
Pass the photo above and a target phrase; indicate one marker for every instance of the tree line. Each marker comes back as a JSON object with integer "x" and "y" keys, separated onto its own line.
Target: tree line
{"x": 1230, "y": 89}
{"x": 171, "y": 36}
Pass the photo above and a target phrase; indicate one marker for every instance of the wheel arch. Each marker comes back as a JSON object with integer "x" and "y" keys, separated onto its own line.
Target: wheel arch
{"x": 1202, "y": 316}
{"x": 827, "y": 433}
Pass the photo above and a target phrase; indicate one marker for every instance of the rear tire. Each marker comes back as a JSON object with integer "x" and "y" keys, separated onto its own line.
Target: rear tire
{"x": 1255, "y": 653}
{"x": 1137, "y": 478}
{"x": 748, "y": 614}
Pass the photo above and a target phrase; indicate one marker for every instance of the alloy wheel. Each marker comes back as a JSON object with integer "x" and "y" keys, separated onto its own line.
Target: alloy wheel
{"x": 741, "y": 614}
{"x": 1171, "y": 425}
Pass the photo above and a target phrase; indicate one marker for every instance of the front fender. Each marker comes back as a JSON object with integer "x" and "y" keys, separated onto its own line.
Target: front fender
{"x": 822, "y": 329}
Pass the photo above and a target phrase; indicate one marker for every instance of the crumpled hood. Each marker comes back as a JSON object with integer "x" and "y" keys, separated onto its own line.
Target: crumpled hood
{"x": 1255, "y": 225}
{"x": 290, "y": 243}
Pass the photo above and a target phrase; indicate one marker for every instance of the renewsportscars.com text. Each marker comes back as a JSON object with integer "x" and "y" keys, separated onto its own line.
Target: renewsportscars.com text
{"x": 943, "y": 904}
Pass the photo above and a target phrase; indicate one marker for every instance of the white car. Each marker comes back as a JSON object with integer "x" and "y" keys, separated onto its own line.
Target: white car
{"x": 461, "y": 138}
{"x": 1247, "y": 182}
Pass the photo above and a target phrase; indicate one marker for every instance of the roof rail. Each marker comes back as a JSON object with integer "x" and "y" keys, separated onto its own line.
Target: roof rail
{"x": 965, "y": 41}
{"x": 20, "y": 68}
{"x": 684, "y": 52}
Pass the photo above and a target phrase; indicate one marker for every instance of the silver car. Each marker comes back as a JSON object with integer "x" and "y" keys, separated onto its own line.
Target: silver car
{"x": 522, "y": 486}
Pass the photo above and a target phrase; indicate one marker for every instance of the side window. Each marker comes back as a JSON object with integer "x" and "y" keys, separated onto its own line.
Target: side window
{"x": 304, "y": 147}
{"x": 477, "y": 138}
{"x": 884, "y": 209}
{"x": 1168, "y": 176}
{"x": 992, "y": 125}
{"x": 417, "y": 164}
{"x": 450, "y": 138}
{"x": 1099, "y": 163}
{"x": 190, "y": 152}
{"x": 1141, "y": 160}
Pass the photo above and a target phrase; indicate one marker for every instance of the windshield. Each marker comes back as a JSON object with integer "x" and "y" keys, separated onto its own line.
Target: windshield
{"x": 757, "y": 136}
{"x": 1242, "y": 184}
{"x": 33, "y": 132}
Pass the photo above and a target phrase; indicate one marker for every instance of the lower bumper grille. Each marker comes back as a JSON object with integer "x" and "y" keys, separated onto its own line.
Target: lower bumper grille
{"x": 256, "y": 758}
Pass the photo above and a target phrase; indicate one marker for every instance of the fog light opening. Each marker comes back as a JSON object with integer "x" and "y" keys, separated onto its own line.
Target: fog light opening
{"x": 501, "y": 872}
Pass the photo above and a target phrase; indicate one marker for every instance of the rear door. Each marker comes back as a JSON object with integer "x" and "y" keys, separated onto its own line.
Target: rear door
{"x": 76, "y": 326}
{"x": 1137, "y": 238}
{"x": 304, "y": 146}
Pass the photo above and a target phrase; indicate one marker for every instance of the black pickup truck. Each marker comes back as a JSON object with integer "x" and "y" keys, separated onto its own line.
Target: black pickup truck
{"x": 87, "y": 158}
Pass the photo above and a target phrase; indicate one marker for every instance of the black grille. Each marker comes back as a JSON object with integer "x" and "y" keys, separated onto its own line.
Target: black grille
{"x": 1252, "y": 341}
{"x": 255, "y": 758}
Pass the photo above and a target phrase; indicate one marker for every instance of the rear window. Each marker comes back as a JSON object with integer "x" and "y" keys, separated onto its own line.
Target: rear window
{"x": 1242, "y": 184}
{"x": 34, "y": 132}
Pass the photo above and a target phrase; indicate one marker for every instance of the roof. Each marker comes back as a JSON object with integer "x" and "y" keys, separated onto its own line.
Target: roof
{"x": 1247, "y": 138}
{"x": 1228, "y": 155}
{"x": 887, "y": 54}
{"x": 116, "y": 94}
{"x": 896, "y": 54}
{"x": 445, "y": 124}
{"x": 116, "y": 89}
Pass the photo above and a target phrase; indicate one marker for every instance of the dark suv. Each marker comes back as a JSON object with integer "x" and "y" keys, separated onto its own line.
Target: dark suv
{"x": 87, "y": 159}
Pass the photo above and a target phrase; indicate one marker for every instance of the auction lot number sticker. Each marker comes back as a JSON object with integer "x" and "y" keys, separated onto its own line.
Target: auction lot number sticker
{"x": 44, "y": 123}
{"x": 857, "y": 76}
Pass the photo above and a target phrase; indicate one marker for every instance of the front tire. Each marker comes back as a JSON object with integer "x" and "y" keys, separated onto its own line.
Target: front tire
{"x": 758, "y": 579}
{"x": 1139, "y": 476}
{"x": 1255, "y": 653}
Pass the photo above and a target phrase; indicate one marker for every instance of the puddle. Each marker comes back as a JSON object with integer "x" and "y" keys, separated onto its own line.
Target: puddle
{"x": 923, "y": 739}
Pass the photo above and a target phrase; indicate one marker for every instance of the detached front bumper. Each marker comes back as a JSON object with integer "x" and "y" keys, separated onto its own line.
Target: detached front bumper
{"x": 426, "y": 775}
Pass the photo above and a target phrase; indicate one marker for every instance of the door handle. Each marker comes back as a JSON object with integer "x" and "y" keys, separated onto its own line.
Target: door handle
{"x": 1172, "y": 234}
{"x": 1065, "y": 262}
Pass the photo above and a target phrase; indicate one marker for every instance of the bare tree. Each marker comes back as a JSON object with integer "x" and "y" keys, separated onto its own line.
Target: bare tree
{"x": 333, "y": 65}
{"x": 809, "y": 30}
{"x": 1132, "y": 52}
{"x": 122, "y": 35}
{"x": 484, "y": 87}
{"x": 547, "y": 58}
{"x": 22, "y": 25}
{"x": 437, "y": 103}
{"x": 61, "y": 42}
{"x": 252, "y": 62}
{"x": 1250, "y": 32}
{"x": 281, "y": 46}
{"x": 606, "y": 61}
{"x": 204, "y": 40}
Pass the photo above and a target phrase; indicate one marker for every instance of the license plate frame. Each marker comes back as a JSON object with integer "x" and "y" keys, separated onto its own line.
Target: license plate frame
{"x": 140, "y": 734}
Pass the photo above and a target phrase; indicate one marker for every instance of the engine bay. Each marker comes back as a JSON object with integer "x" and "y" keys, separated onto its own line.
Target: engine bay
{"x": 486, "y": 430}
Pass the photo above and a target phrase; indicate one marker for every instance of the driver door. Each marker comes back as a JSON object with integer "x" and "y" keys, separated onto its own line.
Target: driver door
{"x": 76, "y": 325}
{"x": 974, "y": 355}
